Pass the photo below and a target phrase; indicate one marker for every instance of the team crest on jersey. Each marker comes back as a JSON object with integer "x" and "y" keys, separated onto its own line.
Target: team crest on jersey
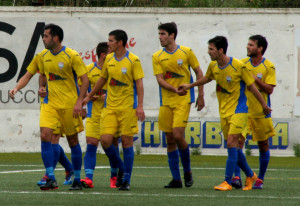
{"x": 53, "y": 77}
{"x": 259, "y": 75}
{"x": 61, "y": 65}
{"x": 179, "y": 62}
{"x": 115, "y": 82}
{"x": 228, "y": 79}
{"x": 170, "y": 75}
{"x": 124, "y": 70}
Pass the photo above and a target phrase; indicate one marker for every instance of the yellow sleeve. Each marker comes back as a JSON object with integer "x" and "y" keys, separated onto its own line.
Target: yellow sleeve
{"x": 157, "y": 69}
{"x": 138, "y": 72}
{"x": 33, "y": 66}
{"x": 271, "y": 75}
{"x": 209, "y": 73}
{"x": 246, "y": 75}
{"x": 193, "y": 61}
{"x": 78, "y": 65}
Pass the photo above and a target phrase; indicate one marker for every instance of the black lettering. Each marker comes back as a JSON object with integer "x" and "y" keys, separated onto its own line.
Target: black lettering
{"x": 25, "y": 96}
{"x": 14, "y": 100}
{"x": 1, "y": 97}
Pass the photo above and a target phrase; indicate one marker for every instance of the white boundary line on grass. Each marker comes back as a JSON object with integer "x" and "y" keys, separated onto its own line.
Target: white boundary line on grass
{"x": 107, "y": 167}
{"x": 153, "y": 195}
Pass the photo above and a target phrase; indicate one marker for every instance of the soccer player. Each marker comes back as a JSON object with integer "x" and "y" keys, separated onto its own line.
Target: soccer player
{"x": 60, "y": 67}
{"x": 232, "y": 78}
{"x": 59, "y": 152}
{"x": 123, "y": 104}
{"x": 92, "y": 131}
{"x": 261, "y": 125}
{"x": 171, "y": 66}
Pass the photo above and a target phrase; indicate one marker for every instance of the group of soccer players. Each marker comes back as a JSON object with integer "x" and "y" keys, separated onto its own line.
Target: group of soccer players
{"x": 113, "y": 91}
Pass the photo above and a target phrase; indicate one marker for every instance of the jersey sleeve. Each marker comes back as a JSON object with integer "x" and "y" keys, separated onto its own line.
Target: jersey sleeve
{"x": 193, "y": 61}
{"x": 78, "y": 65}
{"x": 246, "y": 75}
{"x": 209, "y": 73}
{"x": 138, "y": 72}
{"x": 157, "y": 68}
{"x": 271, "y": 75}
{"x": 33, "y": 66}
{"x": 104, "y": 72}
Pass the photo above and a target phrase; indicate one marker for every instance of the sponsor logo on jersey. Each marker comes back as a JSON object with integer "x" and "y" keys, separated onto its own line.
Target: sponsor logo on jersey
{"x": 48, "y": 60}
{"x": 221, "y": 89}
{"x": 53, "y": 77}
{"x": 170, "y": 75}
{"x": 164, "y": 60}
{"x": 115, "y": 82}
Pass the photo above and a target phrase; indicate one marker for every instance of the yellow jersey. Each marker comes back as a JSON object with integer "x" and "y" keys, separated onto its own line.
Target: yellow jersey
{"x": 34, "y": 65}
{"x": 265, "y": 71}
{"x": 175, "y": 68}
{"x": 62, "y": 70}
{"x": 232, "y": 81}
{"x": 121, "y": 75}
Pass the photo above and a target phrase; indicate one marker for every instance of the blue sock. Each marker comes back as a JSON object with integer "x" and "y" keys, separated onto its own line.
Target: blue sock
{"x": 90, "y": 160}
{"x": 173, "y": 159}
{"x": 48, "y": 159}
{"x": 114, "y": 171}
{"x": 128, "y": 155}
{"x": 56, "y": 154}
{"x": 64, "y": 161}
{"x": 113, "y": 157}
{"x": 237, "y": 171}
{"x": 76, "y": 156}
{"x": 230, "y": 164}
{"x": 185, "y": 159}
{"x": 243, "y": 164}
{"x": 264, "y": 158}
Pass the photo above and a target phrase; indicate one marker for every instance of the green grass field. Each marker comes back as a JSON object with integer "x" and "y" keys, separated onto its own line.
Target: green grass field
{"x": 19, "y": 173}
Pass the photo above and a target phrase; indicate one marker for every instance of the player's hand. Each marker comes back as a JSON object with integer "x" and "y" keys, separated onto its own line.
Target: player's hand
{"x": 84, "y": 113}
{"x": 103, "y": 96}
{"x": 183, "y": 88}
{"x": 95, "y": 97}
{"x": 77, "y": 110}
{"x": 42, "y": 92}
{"x": 85, "y": 100}
{"x": 267, "y": 110}
{"x": 12, "y": 93}
{"x": 140, "y": 113}
{"x": 200, "y": 104}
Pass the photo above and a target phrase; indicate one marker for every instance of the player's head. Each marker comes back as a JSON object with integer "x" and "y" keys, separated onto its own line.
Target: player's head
{"x": 117, "y": 38}
{"x": 167, "y": 33}
{"x": 52, "y": 34}
{"x": 102, "y": 49}
{"x": 256, "y": 44}
{"x": 217, "y": 46}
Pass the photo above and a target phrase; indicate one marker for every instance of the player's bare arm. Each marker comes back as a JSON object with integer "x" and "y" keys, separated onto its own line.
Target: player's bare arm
{"x": 202, "y": 81}
{"x": 200, "y": 103}
{"x": 77, "y": 111}
{"x": 21, "y": 84}
{"x": 140, "y": 93}
{"x": 98, "y": 86}
{"x": 267, "y": 110}
{"x": 42, "y": 85}
{"x": 164, "y": 84}
{"x": 267, "y": 88}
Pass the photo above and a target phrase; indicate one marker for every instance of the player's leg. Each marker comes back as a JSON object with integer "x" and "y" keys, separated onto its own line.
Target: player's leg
{"x": 65, "y": 162}
{"x": 116, "y": 174}
{"x": 236, "y": 181}
{"x": 90, "y": 161}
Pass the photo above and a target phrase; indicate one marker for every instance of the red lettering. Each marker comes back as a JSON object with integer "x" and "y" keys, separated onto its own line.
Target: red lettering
{"x": 131, "y": 42}
{"x": 94, "y": 55}
{"x": 87, "y": 55}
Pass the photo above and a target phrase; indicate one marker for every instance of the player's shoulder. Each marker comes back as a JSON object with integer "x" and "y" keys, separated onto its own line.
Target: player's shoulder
{"x": 245, "y": 60}
{"x": 90, "y": 66}
{"x": 213, "y": 64}
{"x": 237, "y": 62}
{"x": 268, "y": 63}
{"x": 157, "y": 53}
{"x": 133, "y": 57}
{"x": 185, "y": 49}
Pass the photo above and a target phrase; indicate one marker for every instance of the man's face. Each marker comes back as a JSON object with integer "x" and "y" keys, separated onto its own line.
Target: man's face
{"x": 252, "y": 49}
{"x": 164, "y": 38}
{"x": 113, "y": 44}
{"x": 213, "y": 52}
{"x": 48, "y": 40}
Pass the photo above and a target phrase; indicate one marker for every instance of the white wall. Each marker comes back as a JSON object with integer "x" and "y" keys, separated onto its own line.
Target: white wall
{"x": 85, "y": 27}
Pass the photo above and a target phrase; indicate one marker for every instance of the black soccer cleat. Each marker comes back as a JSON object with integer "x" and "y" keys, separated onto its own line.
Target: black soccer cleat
{"x": 174, "y": 184}
{"x": 125, "y": 186}
{"x": 188, "y": 179}
{"x": 120, "y": 179}
{"x": 76, "y": 186}
{"x": 50, "y": 185}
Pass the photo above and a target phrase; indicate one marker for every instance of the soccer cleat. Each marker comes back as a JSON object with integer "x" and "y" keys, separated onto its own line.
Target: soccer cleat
{"x": 119, "y": 179}
{"x": 76, "y": 186}
{"x": 259, "y": 183}
{"x": 68, "y": 180}
{"x": 249, "y": 182}
{"x": 50, "y": 185}
{"x": 125, "y": 186}
{"x": 87, "y": 183}
{"x": 188, "y": 179}
{"x": 174, "y": 184}
{"x": 236, "y": 182}
{"x": 42, "y": 181}
{"x": 113, "y": 182}
{"x": 224, "y": 186}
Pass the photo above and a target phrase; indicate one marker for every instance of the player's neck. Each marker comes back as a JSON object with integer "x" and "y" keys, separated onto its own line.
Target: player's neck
{"x": 100, "y": 62}
{"x": 257, "y": 60}
{"x": 223, "y": 60}
{"x": 120, "y": 52}
{"x": 171, "y": 47}
{"x": 57, "y": 49}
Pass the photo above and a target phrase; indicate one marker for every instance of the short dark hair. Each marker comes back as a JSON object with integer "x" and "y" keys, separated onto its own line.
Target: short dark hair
{"x": 261, "y": 42}
{"x": 171, "y": 28}
{"x": 219, "y": 42}
{"x": 119, "y": 35}
{"x": 55, "y": 31}
{"x": 102, "y": 47}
